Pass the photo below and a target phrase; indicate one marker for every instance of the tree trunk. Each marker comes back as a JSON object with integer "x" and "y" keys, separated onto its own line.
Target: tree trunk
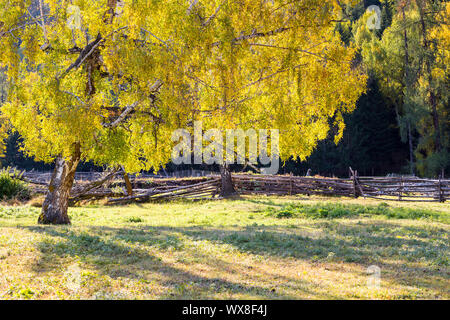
{"x": 408, "y": 84}
{"x": 436, "y": 121}
{"x": 411, "y": 150}
{"x": 54, "y": 209}
{"x": 128, "y": 184}
{"x": 227, "y": 188}
{"x": 432, "y": 96}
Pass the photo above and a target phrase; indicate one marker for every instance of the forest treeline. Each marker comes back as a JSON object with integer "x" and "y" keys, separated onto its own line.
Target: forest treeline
{"x": 401, "y": 124}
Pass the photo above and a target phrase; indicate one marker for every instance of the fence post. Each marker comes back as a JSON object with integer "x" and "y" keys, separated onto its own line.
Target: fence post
{"x": 354, "y": 173}
{"x": 400, "y": 189}
{"x": 441, "y": 194}
{"x": 290, "y": 185}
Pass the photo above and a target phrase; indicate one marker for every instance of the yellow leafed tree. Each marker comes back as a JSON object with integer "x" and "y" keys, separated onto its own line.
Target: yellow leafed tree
{"x": 110, "y": 80}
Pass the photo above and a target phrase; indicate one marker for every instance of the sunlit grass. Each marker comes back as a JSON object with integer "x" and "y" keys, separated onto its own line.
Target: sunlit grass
{"x": 256, "y": 247}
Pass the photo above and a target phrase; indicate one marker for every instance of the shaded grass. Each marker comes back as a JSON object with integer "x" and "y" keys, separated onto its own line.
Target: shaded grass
{"x": 339, "y": 210}
{"x": 256, "y": 247}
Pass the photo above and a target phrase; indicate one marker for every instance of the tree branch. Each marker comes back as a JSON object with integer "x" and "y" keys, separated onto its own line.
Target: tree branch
{"x": 253, "y": 35}
{"x": 128, "y": 110}
{"x": 122, "y": 116}
{"x": 207, "y": 22}
{"x": 84, "y": 54}
{"x": 43, "y": 21}
{"x": 87, "y": 51}
{"x": 286, "y": 48}
{"x": 272, "y": 75}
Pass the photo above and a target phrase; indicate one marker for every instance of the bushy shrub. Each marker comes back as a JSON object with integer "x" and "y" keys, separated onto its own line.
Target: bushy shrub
{"x": 134, "y": 219}
{"x": 285, "y": 213}
{"x": 11, "y": 187}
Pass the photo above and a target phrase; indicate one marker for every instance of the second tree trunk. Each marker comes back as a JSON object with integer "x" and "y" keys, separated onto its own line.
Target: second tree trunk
{"x": 227, "y": 188}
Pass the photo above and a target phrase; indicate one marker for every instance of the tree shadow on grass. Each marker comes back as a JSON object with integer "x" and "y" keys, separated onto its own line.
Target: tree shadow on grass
{"x": 121, "y": 253}
{"x": 283, "y": 241}
{"x": 268, "y": 202}
{"x": 395, "y": 249}
{"x": 126, "y": 251}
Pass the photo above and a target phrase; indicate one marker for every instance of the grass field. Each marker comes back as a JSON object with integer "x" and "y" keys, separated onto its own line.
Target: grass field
{"x": 249, "y": 248}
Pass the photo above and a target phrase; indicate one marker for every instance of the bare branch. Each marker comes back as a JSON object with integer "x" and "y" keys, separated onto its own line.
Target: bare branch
{"x": 253, "y": 35}
{"x": 87, "y": 51}
{"x": 207, "y": 22}
{"x": 272, "y": 75}
{"x": 285, "y": 48}
{"x": 130, "y": 109}
{"x": 75, "y": 96}
{"x": 122, "y": 116}
{"x": 43, "y": 21}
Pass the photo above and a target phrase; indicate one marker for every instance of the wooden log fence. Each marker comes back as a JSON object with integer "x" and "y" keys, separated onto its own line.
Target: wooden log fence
{"x": 391, "y": 189}
{"x": 208, "y": 187}
{"x": 197, "y": 191}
